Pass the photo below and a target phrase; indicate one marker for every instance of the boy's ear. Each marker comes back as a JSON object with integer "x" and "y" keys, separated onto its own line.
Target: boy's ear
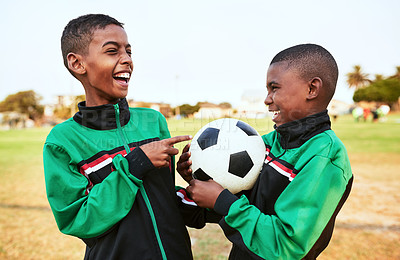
{"x": 75, "y": 63}
{"x": 314, "y": 87}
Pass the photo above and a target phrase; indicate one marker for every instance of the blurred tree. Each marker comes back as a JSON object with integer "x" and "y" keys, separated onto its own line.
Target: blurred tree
{"x": 397, "y": 74}
{"x": 357, "y": 78}
{"x": 186, "y": 109}
{"x": 225, "y": 105}
{"x": 378, "y": 77}
{"x": 144, "y": 104}
{"x": 26, "y": 102}
{"x": 79, "y": 98}
{"x": 386, "y": 91}
{"x": 65, "y": 112}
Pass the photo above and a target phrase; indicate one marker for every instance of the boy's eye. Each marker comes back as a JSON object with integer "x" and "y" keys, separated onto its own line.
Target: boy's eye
{"x": 111, "y": 51}
{"x": 129, "y": 52}
{"x": 273, "y": 87}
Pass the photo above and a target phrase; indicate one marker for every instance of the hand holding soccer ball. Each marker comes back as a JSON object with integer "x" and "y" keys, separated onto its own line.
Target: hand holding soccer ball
{"x": 204, "y": 193}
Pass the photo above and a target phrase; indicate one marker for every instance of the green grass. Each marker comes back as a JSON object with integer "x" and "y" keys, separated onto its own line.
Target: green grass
{"x": 26, "y": 223}
{"x": 368, "y": 137}
{"x": 28, "y": 229}
{"x": 22, "y": 170}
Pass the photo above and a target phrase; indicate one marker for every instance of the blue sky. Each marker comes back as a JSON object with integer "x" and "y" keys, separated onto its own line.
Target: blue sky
{"x": 185, "y": 51}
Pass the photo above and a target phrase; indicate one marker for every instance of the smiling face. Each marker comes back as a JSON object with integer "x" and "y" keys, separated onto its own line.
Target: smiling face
{"x": 107, "y": 67}
{"x": 288, "y": 94}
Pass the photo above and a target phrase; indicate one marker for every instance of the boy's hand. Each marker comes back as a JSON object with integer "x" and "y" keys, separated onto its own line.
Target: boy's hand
{"x": 183, "y": 165}
{"x": 160, "y": 152}
{"x": 204, "y": 193}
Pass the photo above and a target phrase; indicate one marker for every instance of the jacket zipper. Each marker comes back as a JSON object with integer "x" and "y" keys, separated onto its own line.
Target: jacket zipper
{"x": 119, "y": 129}
{"x": 141, "y": 188}
{"x": 153, "y": 220}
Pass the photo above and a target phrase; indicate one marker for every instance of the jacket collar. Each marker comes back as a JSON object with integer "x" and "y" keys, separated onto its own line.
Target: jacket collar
{"x": 102, "y": 117}
{"x": 294, "y": 134}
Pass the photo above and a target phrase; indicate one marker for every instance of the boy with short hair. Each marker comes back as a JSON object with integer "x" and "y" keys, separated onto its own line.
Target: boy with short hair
{"x": 109, "y": 169}
{"x": 306, "y": 178}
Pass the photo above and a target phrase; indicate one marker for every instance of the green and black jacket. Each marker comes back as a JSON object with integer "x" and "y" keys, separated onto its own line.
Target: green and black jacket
{"x": 103, "y": 189}
{"x": 291, "y": 210}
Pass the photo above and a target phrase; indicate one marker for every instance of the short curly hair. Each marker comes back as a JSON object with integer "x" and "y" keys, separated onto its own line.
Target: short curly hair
{"x": 78, "y": 33}
{"x": 311, "y": 60}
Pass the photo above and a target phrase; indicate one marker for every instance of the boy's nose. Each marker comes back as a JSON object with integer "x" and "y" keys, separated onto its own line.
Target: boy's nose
{"x": 268, "y": 100}
{"x": 126, "y": 59}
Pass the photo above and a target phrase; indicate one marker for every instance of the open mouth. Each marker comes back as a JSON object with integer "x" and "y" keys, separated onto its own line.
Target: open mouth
{"x": 122, "y": 77}
{"x": 275, "y": 114}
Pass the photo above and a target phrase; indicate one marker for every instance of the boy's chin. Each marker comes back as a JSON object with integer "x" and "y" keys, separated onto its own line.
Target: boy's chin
{"x": 122, "y": 94}
{"x": 279, "y": 122}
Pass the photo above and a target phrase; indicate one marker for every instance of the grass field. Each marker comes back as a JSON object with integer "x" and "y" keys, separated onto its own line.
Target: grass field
{"x": 368, "y": 227}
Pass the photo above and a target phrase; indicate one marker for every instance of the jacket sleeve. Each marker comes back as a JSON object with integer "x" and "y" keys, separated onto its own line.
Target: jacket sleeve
{"x": 302, "y": 211}
{"x": 77, "y": 211}
{"x": 193, "y": 215}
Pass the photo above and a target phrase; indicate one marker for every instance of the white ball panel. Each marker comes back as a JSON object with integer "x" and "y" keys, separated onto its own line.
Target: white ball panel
{"x": 214, "y": 160}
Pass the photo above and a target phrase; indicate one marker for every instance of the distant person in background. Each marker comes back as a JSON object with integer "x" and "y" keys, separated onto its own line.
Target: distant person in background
{"x": 366, "y": 113}
{"x": 357, "y": 113}
{"x": 375, "y": 114}
{"x": 384, "y": 111}
{"x": 333, "y": 113}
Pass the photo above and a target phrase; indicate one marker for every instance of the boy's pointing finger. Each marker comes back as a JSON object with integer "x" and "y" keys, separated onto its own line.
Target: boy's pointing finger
{"x": 178, "y": 139}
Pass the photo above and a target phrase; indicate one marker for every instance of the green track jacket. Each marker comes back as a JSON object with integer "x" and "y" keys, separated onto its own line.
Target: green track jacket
{"x": 103, "y": 189}
{"x": 291, "y": 210}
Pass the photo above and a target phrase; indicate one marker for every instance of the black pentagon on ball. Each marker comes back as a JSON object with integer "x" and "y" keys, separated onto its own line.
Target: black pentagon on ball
{"x": 208, "y": 138}
{"x": 199, "y": 174}
{"x": 240, "y": 164}
{"x": 246, "y": 128}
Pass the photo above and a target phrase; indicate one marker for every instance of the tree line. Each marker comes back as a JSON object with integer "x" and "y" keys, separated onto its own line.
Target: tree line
{"x": 380, "y": 89}
{"x": 24, "y": 102}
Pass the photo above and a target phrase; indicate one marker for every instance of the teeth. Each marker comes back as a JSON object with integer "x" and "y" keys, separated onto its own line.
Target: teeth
{"x": 275, "y": 114}
{"x": 123, "y": 75}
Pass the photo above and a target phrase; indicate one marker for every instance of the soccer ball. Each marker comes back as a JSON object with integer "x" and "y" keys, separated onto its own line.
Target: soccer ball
{"x": 230, "y": 152}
